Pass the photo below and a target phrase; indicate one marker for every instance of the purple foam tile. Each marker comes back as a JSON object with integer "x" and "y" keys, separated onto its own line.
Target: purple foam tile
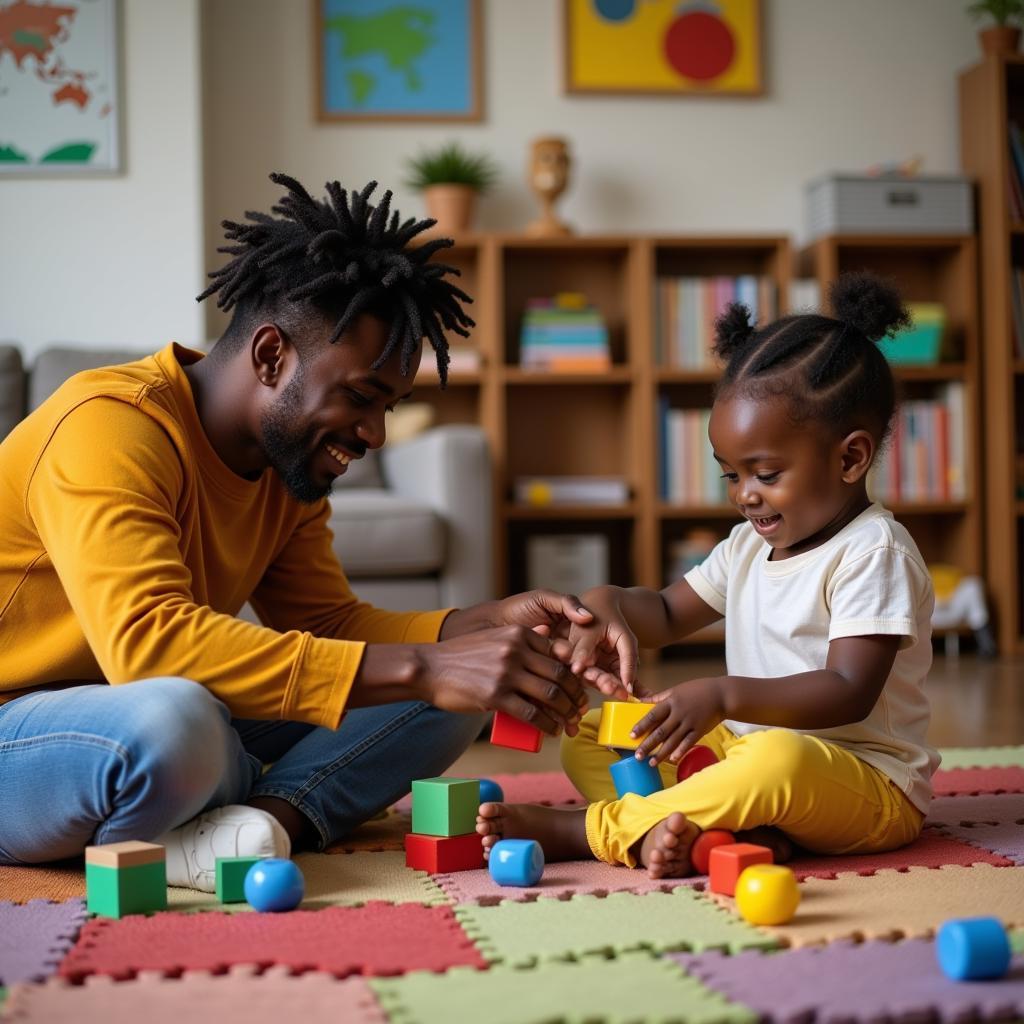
{"x": 34, "y": 937}
{"x": 1006, "y": 840}
{"x": 561, "y": 880}
{"x": 994, "y": 808}
{"x": 551, "y": 788}
{"x": 870, "y": 981}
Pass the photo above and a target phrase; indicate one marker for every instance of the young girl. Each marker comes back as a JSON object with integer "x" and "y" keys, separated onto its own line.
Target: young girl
{"x": 819, "y": 726}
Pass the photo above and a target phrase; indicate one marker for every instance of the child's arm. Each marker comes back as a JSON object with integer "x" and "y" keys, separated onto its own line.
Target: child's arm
{"x": 844, "y": 691}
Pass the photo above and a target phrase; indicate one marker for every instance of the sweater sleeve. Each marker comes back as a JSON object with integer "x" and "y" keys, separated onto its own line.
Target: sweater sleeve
{"x": 108, "y": 525}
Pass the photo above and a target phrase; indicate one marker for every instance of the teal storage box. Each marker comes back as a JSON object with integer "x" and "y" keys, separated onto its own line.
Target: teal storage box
{"x": 921, "y": 343}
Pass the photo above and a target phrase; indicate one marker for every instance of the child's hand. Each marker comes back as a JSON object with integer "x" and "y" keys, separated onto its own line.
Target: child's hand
{"x": 679, "y": 718}
{"x": 604, "y": 652}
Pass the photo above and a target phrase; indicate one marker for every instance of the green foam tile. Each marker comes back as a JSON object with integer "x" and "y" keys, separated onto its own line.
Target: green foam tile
{"x": 1017, "y": 941}
{"x": 631, "y": 989}
{"x": 523, "y": 933}
{"x": 982, "y": 757}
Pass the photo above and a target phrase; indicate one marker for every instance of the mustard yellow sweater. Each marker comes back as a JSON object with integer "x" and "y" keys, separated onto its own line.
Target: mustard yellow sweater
{"x": 127, "y": 547}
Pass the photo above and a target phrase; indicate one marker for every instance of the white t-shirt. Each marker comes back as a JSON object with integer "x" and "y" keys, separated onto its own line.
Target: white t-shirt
{"x": 868, "y": 579}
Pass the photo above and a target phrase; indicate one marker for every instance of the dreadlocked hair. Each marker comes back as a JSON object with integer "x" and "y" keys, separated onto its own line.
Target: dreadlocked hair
{"x": 829, "y": 369}
{"x": 344, "y": 257}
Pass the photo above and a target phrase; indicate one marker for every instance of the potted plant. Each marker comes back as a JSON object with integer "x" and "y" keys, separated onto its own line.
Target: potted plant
{"x": 1003, "y": 37}
{"x": 450, "y": 179}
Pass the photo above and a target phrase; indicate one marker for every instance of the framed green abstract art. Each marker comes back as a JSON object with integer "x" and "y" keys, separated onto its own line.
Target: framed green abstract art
{"x": 398, "y": 60}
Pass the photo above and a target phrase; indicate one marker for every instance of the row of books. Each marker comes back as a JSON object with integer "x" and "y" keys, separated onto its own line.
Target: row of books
{"x": 688, "y": 473}
{"x": 564, "y": 334}
{"x": 686, "y": 309}
{"x": 1015, "y": 178}
{"x": 925, "y": 458}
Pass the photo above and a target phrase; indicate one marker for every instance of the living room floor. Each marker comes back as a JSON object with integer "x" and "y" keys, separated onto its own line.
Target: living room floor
{"x": 975, "y": 702}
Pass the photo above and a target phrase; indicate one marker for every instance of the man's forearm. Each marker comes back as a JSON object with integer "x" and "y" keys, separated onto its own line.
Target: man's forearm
{"x": 389, "y": 673}
{"x": 470, "y": 620}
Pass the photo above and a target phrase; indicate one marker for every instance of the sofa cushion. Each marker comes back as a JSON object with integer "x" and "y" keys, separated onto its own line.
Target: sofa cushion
{"x": 12, "y": 389}
{"x": 53, "y": 366}
{"x": 378, "y": 533}
{"x": 364, "y": 472}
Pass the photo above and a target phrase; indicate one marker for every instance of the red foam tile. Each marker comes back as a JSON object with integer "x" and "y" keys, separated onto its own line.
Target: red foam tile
{"x": 977, "y": 781}
{"x": 374, "y": 939}
{"x": 930, "y": 850}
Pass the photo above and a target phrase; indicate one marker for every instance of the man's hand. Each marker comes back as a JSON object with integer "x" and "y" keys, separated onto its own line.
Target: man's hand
{"x": 507, "y": 668}
{"x": 679, "y": 718}
{"x": 541, "y": 610}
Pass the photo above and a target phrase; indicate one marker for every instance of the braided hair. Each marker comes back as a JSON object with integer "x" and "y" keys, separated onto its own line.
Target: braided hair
{"x": 343, "y": 257}
{"x": 829, "y": 369}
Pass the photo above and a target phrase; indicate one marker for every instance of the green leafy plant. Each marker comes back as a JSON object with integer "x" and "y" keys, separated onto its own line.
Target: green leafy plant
{"x": 1002, "y": 12}
{"x": 450, "y": 164}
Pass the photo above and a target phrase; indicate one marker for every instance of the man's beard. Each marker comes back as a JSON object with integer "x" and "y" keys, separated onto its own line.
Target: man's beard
{"x": 290, "y": 452}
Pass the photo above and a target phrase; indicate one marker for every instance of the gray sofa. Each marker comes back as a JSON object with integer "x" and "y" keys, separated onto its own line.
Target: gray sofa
{"x": 411, "y": 523}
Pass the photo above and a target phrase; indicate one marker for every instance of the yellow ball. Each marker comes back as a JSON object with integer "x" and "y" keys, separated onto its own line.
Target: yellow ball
{"x": 767, "y": 894}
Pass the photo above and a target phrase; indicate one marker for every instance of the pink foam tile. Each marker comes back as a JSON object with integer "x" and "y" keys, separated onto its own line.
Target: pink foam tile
{"x": 996, "y": 809}
{"x": 561, "y": 880}
{"x": 374, "y": 939}
{"x": 528, "y": 788}
{"x": 847, "y": 982}
{"x": 931, "y": 850}
{"x": 241, "y": 994}
{"x": 978, "y": 781}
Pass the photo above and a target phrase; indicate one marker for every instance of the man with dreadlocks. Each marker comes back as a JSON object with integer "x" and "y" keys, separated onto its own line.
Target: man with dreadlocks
{"x": 142, "y": 505}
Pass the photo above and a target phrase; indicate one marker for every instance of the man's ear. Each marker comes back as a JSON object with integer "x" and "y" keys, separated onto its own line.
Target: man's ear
{"x": 270, "y": 351}
{"x": 856, "y": 450}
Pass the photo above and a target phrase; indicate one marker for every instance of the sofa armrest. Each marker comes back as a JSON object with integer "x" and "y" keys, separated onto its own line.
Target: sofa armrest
{"x": 449, "y": 469}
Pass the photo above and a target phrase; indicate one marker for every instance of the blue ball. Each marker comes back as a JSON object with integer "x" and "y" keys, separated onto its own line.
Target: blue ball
{"x": 274, "y": 884}
{"x": 633, "y": 776}
{"x": 973, "y": 949}
{"x": 516, "y": 862}
{"x": 490, "y": 792}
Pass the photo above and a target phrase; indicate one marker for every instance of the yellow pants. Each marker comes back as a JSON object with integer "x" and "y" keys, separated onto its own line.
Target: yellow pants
{"x": 820, "y": 795}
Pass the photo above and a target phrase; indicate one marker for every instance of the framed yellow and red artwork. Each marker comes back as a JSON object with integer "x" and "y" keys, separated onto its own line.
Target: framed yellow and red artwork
{"x": 672, "y": 47}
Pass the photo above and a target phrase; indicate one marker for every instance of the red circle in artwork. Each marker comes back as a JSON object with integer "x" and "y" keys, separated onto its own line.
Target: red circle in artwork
{"x": 699, "y": 45}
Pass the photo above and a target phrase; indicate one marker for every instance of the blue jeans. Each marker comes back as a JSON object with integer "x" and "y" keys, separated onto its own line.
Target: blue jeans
{"x": 102, "y": 764}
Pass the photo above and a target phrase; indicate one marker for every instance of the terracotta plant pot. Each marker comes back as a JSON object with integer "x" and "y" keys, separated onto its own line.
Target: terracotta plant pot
{"x": 999, "y": 40}
{"x": 452, "y": 206}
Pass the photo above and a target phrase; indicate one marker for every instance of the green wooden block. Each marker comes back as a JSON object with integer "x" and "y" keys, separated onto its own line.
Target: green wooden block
{"x": 445, "y": 807}
{"x": 115, "y": 892}
{"x": 231, "y": 872}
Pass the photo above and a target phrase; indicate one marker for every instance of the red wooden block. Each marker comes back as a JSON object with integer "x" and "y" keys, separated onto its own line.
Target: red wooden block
{"x": 727, "y": 863}
{"x": 696, "y": 759}
{"x": 700, "y": 852}
{"x": 442, "y": 854}
{"x": 511, "y": 732}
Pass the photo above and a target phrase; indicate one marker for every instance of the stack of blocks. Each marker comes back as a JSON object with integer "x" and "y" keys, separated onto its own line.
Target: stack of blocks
{"x": 125, "y": 878}
{"x": 443, "y": 837}
{"x": 629, "y": 775}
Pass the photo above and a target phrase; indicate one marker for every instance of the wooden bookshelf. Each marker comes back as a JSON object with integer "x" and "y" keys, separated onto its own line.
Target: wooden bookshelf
{"x": 991, "y": 93}
{"x": 927, "y": 268}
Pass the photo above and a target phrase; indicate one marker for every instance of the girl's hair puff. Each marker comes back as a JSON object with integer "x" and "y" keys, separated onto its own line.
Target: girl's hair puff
{"x": 828, "y": 369}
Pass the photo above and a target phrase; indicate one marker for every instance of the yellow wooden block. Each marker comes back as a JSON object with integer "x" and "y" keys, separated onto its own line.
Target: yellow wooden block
{"x": 617, "y": 719}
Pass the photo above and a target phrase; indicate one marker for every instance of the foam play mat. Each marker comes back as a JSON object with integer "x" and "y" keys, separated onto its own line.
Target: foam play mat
{"x": 374, "y": 941}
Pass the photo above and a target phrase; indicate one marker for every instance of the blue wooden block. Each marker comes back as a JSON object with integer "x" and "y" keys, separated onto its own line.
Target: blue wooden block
{"x": 516, "y": 862}
{"x": 490, "y": 792}
{"x": 633, "y": 776}
{"x": 973, "y": 949}
{"x": 274, "y": 884}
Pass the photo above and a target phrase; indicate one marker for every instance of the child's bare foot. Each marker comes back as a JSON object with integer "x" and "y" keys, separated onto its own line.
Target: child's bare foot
{"x": 561, "y": 833}
{"x": 765, "y": 835}
{"x": 665, "y": 850}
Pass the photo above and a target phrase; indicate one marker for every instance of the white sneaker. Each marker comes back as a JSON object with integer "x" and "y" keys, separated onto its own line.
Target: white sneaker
{"x": 232, "y": 831}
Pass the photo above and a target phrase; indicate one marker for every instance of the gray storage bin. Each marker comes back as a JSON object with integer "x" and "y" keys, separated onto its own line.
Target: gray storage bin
{"x": 851, "y": 205}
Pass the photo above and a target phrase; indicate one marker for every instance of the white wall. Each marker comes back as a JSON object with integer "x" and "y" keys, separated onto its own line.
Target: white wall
{"x": 118, "y": 260}
{"x": 849, "y": 84}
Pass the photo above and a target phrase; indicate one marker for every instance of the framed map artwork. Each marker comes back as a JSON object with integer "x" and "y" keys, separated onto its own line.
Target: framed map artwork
{"x": 398, "y": 60}
{"x": 59, "y": 94}
{"x": 688, "y": 48}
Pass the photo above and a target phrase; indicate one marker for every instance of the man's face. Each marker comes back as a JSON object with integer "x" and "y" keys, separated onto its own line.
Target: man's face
{"x": 786, "y": 479}
{"x": 332, "y": 408}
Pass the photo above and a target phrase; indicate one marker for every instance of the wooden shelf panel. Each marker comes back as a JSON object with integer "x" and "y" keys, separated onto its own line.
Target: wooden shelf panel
{"x": 669, "y": 375}
{"x": 515, "y": 375}
{"x": 455, "y": 380}
{"x": 936, "y": 372}
{"x": 558, "y": 512}
{"x": 668, "y": 511}
{"x": 926, "y": 508}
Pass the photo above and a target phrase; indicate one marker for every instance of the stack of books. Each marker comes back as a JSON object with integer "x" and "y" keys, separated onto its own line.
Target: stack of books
{"x": 564, "y": 335}
{"x": 685, "y": 312}
{"x": 925, "y": 458}
{"x": 689, "y": 474}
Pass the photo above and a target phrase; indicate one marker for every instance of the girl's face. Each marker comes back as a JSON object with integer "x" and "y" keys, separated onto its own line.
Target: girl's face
{"x": 797, "y": 483}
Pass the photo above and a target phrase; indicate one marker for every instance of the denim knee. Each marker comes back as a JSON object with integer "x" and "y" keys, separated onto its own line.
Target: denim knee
{"x": 178, "y": 743}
